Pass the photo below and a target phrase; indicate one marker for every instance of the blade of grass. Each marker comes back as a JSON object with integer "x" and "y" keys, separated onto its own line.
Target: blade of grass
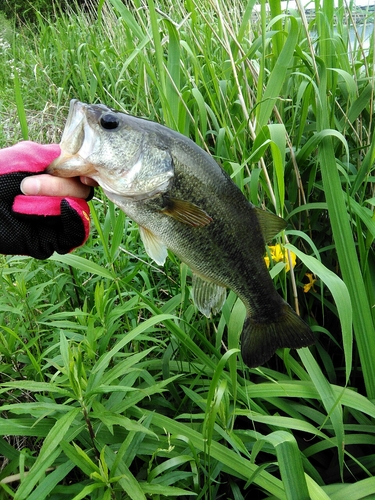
{"x": 239, "y": 466}
{"x": 345, "y": 246}
{"x": 83, "y": 264}
{"x": 342, "y": 300}
{"x": 277, "y": 135}
{"x": 51, "y": 480}
{"x": 48, "y": 454}
{"x": 290, "y": 463}
{"x": 357, "y": 491}
{"x": 277, "y": 77}
{"x": 20, "y": 106}
{"x": 330, "y": 401}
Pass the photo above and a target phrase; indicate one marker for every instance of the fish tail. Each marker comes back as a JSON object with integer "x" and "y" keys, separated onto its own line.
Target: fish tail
{"x": 260, "y": 339}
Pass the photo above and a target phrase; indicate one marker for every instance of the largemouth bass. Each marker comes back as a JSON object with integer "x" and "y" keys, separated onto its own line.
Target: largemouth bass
{"x": 184, "y": 201}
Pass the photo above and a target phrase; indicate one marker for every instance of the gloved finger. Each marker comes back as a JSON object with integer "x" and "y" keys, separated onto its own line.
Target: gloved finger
{"x": 44, "y": 206}
{"x": 27, "y": 156}
{"x": 34, "y": 236}
{"x": 19, "y": 237}
{"x": 47, "y": 224}
{"x": 75, "y": 220}
{"x": 10, "y": 186}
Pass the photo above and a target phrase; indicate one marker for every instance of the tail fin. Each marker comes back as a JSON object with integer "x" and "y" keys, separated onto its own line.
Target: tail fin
{"x": 259, "y": 340}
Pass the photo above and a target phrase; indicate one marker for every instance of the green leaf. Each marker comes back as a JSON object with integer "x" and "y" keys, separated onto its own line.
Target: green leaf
{"x": 31, "y": 385}
{"x": 238, "y": 465}
{"x": 161, "y": 489}
{"x": 277, "y": 76}
{"x": 83, "y": 264}
{"x": 48, "y": 453}
{"x": 20, "y": 105}
{"x": 359, "y": 490}
{"x": 331, "y": 402}
{"x": 278, "y": 138}
{"x": 350, "y": 269}
{"x": 79, "y": 458}
{"x": 127, "y": 338}
{"x": 51, "y": 480}
{"x": 110, "y": 419}
{"x": 127, "y": 482}
{"x": 290, "y": 463}
{"x": 342, "y": 300}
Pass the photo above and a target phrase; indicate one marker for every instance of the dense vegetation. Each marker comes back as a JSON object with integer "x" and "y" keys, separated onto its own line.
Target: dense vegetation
{"x": 27, "y": 11}
{"x": 113, "y": 386}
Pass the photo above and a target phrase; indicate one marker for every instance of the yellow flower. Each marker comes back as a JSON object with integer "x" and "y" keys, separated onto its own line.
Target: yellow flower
{"x": 310, "y": 284}
{"x": 279, "y": 254}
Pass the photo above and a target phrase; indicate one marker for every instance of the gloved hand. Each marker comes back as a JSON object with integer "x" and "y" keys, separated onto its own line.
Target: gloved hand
{"x": 37, "y": 225}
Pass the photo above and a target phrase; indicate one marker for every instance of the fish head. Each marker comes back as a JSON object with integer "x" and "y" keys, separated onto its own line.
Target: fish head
{"x": 125, "y": 155}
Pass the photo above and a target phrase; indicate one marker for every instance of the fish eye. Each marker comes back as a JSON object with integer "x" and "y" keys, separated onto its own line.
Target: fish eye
{"x": 109, "y": 121}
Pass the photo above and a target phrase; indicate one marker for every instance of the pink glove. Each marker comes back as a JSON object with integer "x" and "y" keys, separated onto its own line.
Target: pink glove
{"x": 37, "y": 225}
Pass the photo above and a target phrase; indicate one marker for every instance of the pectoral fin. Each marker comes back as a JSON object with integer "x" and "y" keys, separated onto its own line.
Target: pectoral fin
{"x": 208, "y": 296}
{"x": 154, "y": 247}
{"x": 186, "y": 212}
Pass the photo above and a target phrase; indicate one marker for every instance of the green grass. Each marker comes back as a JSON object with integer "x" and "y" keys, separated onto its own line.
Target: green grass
{"x": 113, "y": 386}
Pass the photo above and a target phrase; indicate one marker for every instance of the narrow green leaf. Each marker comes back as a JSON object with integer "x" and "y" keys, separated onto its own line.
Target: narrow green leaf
{"x": 276, "y": 79}
{"x": 282, "y": 422}
{"x": 330, "y": 400}
{"x": 356, "y": 491}
{"x": 128, "y": 337}
{"x": 237, "y": 464}
{"x": 351, "y": 272}
{"x": 20, "y": 106}
{"x": 110, "y": 419}
{"x": 306, "y": 390}
{"x": 169, "y": 464}
{"x": 128, "y": 18}
{"x": 345, "y": 245}
{"x": 202, "y": 111}
{"x": 90, "y": 488}
{"x": 31, "y": 385}
{"x": 83, "y": 264}
{"x": 79, "y": 458}
{"x": 365, "y": 214}
{"x": 127, "y": 482}
{"x": 173, "y": 66}
{"x": 160, "y": 489}
{"x": 35, "y": 409}
{"x": 51, "y": 480}
{"x": 315, "y": 140}
{"x": 359, "y": 104}
{"x": 278, "y": 141}
{"x": 290, "y": 464}
{"x": 342, "y": 300}
{"x": 48, "y": 453}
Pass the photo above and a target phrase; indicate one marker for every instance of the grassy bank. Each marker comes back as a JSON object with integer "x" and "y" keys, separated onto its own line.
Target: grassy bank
{"x": 113, "y": 386}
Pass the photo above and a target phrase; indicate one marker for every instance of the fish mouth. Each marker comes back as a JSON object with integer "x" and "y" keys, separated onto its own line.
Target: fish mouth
{"x": 77, "y": 143}
{"x": 74, "y": 134}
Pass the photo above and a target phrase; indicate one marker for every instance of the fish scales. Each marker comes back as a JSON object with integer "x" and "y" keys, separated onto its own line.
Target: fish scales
{"x": 184, "y": 201}
{"x": 219, "y": 251}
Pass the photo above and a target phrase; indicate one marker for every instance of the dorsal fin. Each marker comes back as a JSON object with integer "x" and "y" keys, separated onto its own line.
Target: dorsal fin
{"x": 270, "y": 224}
